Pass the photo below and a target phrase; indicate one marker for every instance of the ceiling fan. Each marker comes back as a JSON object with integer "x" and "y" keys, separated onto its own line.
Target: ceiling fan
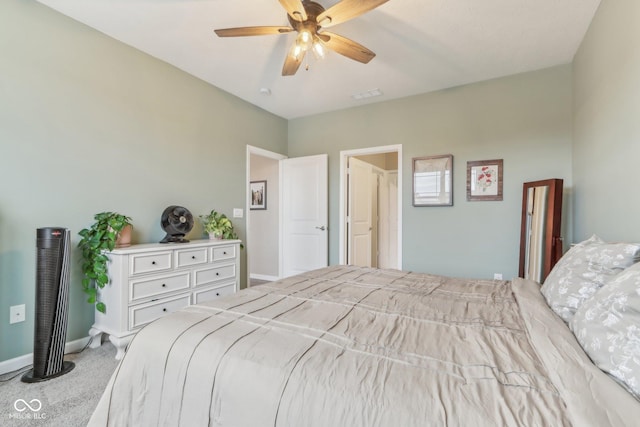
{"x": 309, "y": 19}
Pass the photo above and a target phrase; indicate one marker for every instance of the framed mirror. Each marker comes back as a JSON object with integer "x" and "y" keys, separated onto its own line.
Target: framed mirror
{"x": 540, "y": 239}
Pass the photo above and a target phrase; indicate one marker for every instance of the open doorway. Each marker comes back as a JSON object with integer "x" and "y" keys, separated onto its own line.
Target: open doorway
{"x": 263, "y": 224}
{"x": 370, "y": 207}
{"x": 287, "y": 228}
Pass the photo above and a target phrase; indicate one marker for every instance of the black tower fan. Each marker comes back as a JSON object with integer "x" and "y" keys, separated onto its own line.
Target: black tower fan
{"x": 52, "y": 305}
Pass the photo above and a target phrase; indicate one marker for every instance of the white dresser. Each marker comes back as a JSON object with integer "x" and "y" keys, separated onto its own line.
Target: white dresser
{"x": 150, "y": 280}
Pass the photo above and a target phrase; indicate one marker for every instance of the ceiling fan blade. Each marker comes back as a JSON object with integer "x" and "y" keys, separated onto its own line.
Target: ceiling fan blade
{"x": 345, "y": 10}
{"x": 292, "y": 62}
{"x": 251, "y": 31}
{"x": 295, "y": 9}
{"x": 346, "y": 47}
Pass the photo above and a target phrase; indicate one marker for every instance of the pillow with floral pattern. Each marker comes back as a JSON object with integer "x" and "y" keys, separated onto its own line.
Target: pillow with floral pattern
{"x": 608, "y": 328}
{"x": 584, "y": 269}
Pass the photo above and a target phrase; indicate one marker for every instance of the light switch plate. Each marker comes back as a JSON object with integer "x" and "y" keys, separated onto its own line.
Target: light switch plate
{"x": 17, "y": 313}
{"x": 238, "y": 212}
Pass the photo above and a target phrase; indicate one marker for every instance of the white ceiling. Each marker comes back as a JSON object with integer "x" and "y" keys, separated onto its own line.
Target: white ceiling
{"x": 421, "y": 45}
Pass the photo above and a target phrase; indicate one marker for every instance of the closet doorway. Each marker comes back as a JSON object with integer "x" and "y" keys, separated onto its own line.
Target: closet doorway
{"x": 370, "y": 207}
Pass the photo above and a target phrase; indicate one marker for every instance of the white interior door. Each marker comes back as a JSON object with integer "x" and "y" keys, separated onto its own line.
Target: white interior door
{"x": 304, "y": 214}
{"x": 388, "y": 220}
{"x": 393, "y": 220}
{"x": 359, "y": 215}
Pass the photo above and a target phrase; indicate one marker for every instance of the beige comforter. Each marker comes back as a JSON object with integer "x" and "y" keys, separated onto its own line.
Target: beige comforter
{"x": 348, "y": 346}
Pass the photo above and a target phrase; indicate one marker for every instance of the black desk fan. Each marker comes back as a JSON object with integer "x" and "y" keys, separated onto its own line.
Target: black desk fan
{"x": 176, "y": 221}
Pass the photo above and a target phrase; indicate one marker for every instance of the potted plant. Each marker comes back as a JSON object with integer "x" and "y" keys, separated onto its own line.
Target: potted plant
{"x": 100, "y": 237}
{"x": 218, "y": 226}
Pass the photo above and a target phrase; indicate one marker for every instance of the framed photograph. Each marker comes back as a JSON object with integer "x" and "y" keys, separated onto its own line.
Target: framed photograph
{"x": 258, "y": 195}
{"x": 433, "y": 181}
{"x": 484, "y": 180}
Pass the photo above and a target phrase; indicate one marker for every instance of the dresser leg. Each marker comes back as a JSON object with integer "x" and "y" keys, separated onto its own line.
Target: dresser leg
{"x": 96, "y": 337}
{"x": 121, "y": 345}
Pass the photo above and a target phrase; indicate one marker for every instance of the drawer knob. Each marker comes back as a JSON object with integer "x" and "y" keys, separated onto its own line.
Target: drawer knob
{"x": 164, "y": 309}
{"x": 217, "y": 274}
{"x": 224, "y": 253}
{"x": 217, "y": 294}
{"x": 164, "y": 285}
{"x": 153, "y": 263}
{"x": 193, "y": 257}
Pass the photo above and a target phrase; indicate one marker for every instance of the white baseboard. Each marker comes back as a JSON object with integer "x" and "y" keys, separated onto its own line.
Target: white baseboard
{"x": 264, "y": 277}
{"x": 27, "y": 359}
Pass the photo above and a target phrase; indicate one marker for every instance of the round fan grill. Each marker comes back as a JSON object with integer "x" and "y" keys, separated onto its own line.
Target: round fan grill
{"x": 176, "y": 221}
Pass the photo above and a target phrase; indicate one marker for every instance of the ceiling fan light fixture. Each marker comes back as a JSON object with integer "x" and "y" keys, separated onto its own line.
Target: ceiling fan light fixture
{"x": 318, "y": 49}
{"x": 297, "y": 51}
{"x": 304, "y": 40}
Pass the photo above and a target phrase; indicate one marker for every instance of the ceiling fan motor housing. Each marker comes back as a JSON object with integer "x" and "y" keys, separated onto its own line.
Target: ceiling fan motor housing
{"x": 312, "y": 9}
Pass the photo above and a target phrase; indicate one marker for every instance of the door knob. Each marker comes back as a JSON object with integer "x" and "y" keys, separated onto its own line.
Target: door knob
{"x": 321, "y": 228}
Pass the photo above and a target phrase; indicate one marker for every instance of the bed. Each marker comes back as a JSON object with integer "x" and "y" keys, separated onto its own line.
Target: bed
{"x": 351, "y": 346}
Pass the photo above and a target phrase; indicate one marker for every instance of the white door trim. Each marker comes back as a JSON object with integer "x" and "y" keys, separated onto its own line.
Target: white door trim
{"x": 344, "y": 156}
{"x": 271, "y": 155}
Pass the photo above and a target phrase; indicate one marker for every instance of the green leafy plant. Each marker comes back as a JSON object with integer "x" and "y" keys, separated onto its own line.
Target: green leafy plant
{"x": 218, "y": 225}
{"x": 97, "y": 239}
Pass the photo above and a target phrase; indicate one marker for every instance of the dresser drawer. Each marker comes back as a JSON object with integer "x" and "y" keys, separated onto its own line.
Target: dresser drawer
{"x": 223, "y": 252}
{"x": 149, "y": 263}
{"x": 145, "y": 288}
{"x": 213, "y": 293}
{"x": 140, "y": 315}
{"x": 191, "y": 257}
{"x": 209, "y": 275}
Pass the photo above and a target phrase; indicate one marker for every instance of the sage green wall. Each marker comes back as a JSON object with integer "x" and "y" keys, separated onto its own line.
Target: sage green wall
{"x": 606, "y": 107}
{"x": 88, "y": 124}
{"x": 524, "y": 119}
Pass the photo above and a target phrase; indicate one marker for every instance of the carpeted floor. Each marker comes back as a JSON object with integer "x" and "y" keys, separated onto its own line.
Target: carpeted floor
{"x": 256, "y": 282}
{"x": 66, "y": 401}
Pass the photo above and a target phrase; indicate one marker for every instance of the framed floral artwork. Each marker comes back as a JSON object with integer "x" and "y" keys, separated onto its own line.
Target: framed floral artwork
{"x": 484, "y": 180}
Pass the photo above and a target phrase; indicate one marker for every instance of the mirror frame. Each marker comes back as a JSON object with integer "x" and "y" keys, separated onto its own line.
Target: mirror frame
{"x": 553, "y": 240}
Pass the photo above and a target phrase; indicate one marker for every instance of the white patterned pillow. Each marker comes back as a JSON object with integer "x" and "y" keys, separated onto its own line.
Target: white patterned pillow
{"x": 583, "y": 270}
{"x": 608, "y": 328}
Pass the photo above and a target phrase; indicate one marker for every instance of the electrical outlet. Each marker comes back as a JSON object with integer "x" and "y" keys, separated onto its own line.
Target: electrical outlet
{"x": 497, "y": 276}
{"x": 17, "y": 313}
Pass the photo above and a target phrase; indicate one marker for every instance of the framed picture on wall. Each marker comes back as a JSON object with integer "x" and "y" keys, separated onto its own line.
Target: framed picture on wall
{"x": 484, "y": 180}
{"x": 433, "y": 181}
{"x": 258, "y": 195}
